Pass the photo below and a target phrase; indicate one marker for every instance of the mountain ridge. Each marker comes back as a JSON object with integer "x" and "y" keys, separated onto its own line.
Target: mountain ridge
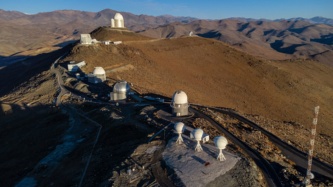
{"x": 279, "y": 39}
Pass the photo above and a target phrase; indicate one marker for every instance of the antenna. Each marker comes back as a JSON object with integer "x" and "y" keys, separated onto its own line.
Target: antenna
{"x": 179, "y": 127}
{"x": 197, "y": 134}
{"x": 220, "y": 142}
{"x": 309, "y": 175}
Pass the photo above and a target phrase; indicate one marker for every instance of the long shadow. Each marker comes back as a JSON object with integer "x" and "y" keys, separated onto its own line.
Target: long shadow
{"x": 27, "y": 134}
{"x": 13, "y": 75}
{"x": 298, "y": 30}
{"x": 243, "y": 27}
{"x": 324, "y": 39}
{"x": 211, "y": 34}
{"x": 277, "y": 45}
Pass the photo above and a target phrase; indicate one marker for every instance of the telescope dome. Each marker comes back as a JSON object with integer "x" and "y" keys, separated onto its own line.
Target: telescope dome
{"x": 179, "y": 97}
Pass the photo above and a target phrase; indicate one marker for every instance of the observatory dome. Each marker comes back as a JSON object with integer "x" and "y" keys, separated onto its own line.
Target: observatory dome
{"x": 118, "y": 16}
{"x": 121, "y": 86}
{"x": 197, "y": 133}
{"x": 179, "y": 97}
{"x": 179, "y": 127}
{"x": 98, "y": 71}
{"x": 220, "y": 142}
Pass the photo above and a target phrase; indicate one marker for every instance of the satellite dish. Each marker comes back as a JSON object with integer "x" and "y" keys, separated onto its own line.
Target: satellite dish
{"x": 197, "y": 134}
{"x": 221, "y": 143}
{"x": 179, "y": 127}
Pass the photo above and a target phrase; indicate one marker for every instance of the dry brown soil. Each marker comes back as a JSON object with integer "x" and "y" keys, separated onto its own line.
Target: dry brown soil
{"x": 213, "y": 73}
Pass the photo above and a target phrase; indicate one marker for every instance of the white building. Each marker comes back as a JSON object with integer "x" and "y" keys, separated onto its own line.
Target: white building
{"x": 117, "y": 21}
{"x": 117, "y": 42}
{"x": 179, "y": 103}
{"x": 107, "y": 42}
{"x": 86, "y": 39}
{"x": 74, "y": 67}
{"x": 99, "y": 74}
{"x": 120, "y": 91}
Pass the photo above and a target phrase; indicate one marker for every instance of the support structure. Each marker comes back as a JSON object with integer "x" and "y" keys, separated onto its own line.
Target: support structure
{"x": 198, "y": 148}
{"x": 312, "y": 141}
{"x": 221, "y": 157}
{"x": 180, "y": 139}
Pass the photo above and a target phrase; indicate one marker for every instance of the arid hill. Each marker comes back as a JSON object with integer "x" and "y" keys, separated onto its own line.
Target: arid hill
{"x": 278, "y": 39}
{"x": 269, "y": 39}
{"x": 21, "y": 32}
{"x": 216, "y": 74}
{"x": 278, "y": 95}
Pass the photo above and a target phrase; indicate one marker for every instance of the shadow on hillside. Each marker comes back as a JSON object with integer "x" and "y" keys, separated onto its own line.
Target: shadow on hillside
{"x": 31, "y": 134}
{"x": 20, "y": 69}
{"x": 211, "y": 34}
{"x": 277, "y": 45}
{"x": 243, "y": 27}
{"x": 298, "y": 30}
{"x": 8, "y": 60}
{"x": 325, "y": 39}
{"x": 65, "y": 43}
{"x": 27, "y": 134}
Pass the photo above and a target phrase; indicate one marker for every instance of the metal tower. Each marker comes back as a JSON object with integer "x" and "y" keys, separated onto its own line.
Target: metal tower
{"x": 312, "y": 140}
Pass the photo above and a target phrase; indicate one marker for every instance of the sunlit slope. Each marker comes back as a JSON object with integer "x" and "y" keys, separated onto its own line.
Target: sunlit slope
{"x": 213, "y": 73}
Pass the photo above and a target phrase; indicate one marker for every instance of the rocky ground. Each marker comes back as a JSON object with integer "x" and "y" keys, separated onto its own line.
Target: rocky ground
{"x": 286, "y": 169}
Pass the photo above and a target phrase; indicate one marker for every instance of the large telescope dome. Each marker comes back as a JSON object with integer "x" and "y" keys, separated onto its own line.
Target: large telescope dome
{"x": 98, "y": 71}
{"x": 118, "y": 16}
{"x": 179, "y": 97}
{"x": 121, "y": 86}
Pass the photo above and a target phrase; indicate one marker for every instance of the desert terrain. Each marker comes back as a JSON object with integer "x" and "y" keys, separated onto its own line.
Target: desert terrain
{"x": 276, "y": 89}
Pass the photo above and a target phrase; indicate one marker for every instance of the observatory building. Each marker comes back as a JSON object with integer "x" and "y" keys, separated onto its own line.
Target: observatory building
{"x": 179, "y": 103}
{"x": 86, "y": 39}
{"x": 99, "y": 74}
{"x": 221, "y": 143}
{"x": 74, "y": 67}
{"x": 120, "y": 91}
{"x": 117, "y": 21}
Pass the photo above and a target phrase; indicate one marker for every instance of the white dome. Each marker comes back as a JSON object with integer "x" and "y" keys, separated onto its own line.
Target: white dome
{"x": 220, "y": 142}
{"x": 179, "y": 97}
{"x": 179, "y": 127}
{"x": 118, "y": 16}
{"x": 99, "y": 71}
{"x": 197, "y": 133}
{"x": 121, "y": 86}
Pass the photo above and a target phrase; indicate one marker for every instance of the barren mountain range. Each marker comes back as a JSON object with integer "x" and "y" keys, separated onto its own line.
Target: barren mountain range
{"x": 270, "y": 39}
{"x": 267, "y": 71}
{"x": 277, "y": 39}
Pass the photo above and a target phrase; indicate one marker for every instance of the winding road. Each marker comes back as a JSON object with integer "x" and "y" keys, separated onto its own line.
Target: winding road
{"x": 297, "y": 156}
{"x": 270, "y": 174}
{"x": 300, "y": 158}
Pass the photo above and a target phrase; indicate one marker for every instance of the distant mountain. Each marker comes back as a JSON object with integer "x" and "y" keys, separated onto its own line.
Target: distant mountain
{"x": 282, "y": 39}
{"x": 322, "y": 20}
{"x": 317, "y": 19}
{"x": 57, "y": 26}
{"x": 273, "y": 39}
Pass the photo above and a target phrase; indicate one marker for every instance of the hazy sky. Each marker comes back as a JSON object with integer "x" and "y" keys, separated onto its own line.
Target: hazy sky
{"x": 209, "y": 9}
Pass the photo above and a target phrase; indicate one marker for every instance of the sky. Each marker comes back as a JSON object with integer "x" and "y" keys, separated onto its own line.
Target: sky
{"x": 209, "y": 9}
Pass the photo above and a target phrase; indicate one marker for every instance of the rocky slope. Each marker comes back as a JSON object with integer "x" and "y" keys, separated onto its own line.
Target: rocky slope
{"x": 278, "y": 39}
{"x": 57, "y": 27}
{"x": 272, "y": 40}
{"x": 214, "y": 73}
